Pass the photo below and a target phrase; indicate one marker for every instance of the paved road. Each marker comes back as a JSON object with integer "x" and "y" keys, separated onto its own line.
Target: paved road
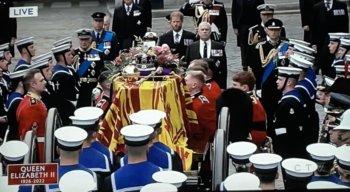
{"x": 55, "y": 23}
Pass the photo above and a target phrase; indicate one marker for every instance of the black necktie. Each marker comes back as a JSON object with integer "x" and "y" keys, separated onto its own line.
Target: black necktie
{"x": 177, "y": 38}
{"x": 98, "y": 36}
{"x": 205, "y": 55}
{"x": 128, "y": 10}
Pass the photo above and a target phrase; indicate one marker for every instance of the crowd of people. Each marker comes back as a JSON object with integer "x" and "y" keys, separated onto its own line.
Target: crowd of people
{"x": 272, "y": 100}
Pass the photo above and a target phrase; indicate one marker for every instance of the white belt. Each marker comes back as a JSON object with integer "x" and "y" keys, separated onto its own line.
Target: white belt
{"x": 280, "y": 131}
{"x": 40, "y": 139}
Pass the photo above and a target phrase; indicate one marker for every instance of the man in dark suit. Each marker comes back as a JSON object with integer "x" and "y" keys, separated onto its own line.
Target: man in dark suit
{"x": 207, "y": 48}
{"x": 306, "y": 7}
{"x": 147, "y": 11}
{"x": 244, "y": 16}
{"x": 178, "y": 39}
{"x": 8, "y": 34}
{"x": 106, "y": 41}
{"x": 328, "y": 16}
{"x": 128, "y": 22}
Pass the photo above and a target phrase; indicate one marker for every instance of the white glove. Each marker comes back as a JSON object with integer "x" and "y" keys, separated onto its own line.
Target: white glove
{"x": 96, "y": 92}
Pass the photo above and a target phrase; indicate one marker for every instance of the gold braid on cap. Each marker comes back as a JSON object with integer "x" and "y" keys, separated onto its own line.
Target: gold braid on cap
{"x": 265, "y": 60}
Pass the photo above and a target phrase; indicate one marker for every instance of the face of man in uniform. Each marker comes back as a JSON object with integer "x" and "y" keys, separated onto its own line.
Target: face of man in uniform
{"x": 85, "y": 43}
{"x": 48, "y": 71}
{"x": 176, "y": 23}
{"x": 8, "y": 57}
{"x": 204, "y": 31}
{"x": 106, "y": 23}
{"x": 280, "y": 82}
{"x": 32, "y": 50}
{"x": 69, "y": 57}
{"x": 39, "y": 83}
{"x": 97, "y": 24}
{"x": 340, "y": 53}
{"x": 274, "y": 34}
{"x": 324, "y": 97}
{"x": 332, "y": 46}
{"x": 4, "y": 66}
{"x": 266, "y": 16}
{"x": 191, "y": 82}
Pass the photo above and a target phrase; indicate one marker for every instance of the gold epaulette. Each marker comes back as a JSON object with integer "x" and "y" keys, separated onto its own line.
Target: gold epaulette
{"x": 252, "y": 27}
{"x": 265, "y": 60}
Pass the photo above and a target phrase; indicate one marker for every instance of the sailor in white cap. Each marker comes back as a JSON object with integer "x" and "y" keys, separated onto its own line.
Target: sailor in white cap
{"x": 95, "y": 113}
{"x": 13, "y": 101}
{"x": 160, "y": 187}
{"x": 77, "y": 180}
{"x": 158, "y": 153}
{"x": 334, "y": 41}
{"x": 89, "y": 68}
{"x": 8, "y": 57}
{"x": 325, "y": 185}
{"x": 341, "y": 70}
{"x": 171, "y": 177}
{"x": 138, "y": 172}
{"x": 289, "y": 119}
{"x": 4, "y": 91}
{"x": 297, "y": 172}
{"x": 44, "y": 63}
{"x": 88, "y": 119}
{"x": 323, "y": 154}
{"x": 343, "y": 161}
{"x": 241, "y": 182}
{"x": 26, "y": 49}
{"x": 63, "y": 41}
{"x": 266, "y": 169}
{"x": 64, "y": 79}
{"x": 69, "y": 141}
{"x": 307, "y": 87}
{"x": 340, "y": 135}
{"x": 344, "y": 49}
{"x": 12, "y": 152}
{"x": 323, "y": 90}
{"x": 240, "y": 152}
{"x": 4, "y": 76}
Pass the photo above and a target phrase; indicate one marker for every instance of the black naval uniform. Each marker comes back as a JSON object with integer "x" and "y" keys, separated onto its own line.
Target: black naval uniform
{"x": 180, "y": 48}
{"x": 88, "y": 72}
{"x": 217, "y": 16}
{"x": 289, "y": 126}
{"x": 65, "y": 92}
{"x": 4, "y": 92}
{"x": 266, "y": 77}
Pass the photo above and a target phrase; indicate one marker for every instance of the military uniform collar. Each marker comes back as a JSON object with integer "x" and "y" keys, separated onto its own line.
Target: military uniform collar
{"x": 196, "y": 94}
{"x": 84, "y": 51}
{"x": 33, "y": 95}
{"x": 273, "y": 43}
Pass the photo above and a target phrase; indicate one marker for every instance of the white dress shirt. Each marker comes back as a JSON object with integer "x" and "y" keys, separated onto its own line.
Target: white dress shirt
{"x": 180, "y": 35}
{"x": 201, "y": 47}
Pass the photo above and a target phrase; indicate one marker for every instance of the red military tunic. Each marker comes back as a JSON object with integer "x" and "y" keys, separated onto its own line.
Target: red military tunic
{"x": 213, "y": 88}
{"x": 258, "y": 131}
{"x": 103, "y": 102}
{"x": 31, "y": 113}
{"x": 206, "y": 115}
